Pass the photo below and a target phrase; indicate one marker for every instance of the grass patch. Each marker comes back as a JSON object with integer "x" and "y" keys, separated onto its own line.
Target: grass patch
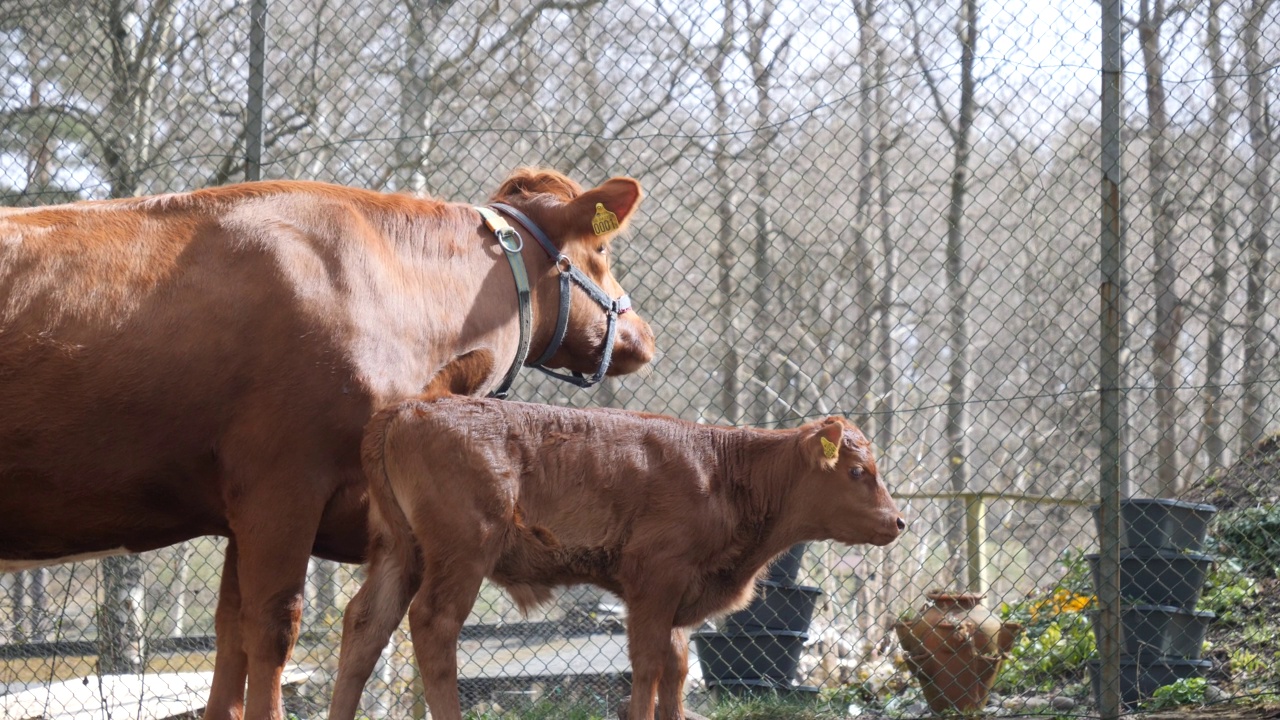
{"x": 827, "y": 706}
{"x": 779, "y": 708}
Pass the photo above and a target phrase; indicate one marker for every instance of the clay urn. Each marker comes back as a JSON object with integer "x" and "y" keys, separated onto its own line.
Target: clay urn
{"x": 954, "y": 647}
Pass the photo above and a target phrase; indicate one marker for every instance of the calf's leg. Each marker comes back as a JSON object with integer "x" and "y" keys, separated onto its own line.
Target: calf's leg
{"x": 451, "y": 581}
{"x": 231, "y": 665}
{"x": 650, "y": 617}
{"x": 674, "y": 671}
{"x": 372, "y": 616}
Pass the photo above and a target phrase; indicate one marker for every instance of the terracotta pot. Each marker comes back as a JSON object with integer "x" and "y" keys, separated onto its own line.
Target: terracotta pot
{"x": 954, "y": 648}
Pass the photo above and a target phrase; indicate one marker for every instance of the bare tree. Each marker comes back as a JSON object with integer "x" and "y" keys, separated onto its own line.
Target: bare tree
{"x": 957, "y": 281}
{"x": 765, "y": 62}
{"x": 858, "y": 253}
{"x": 1215, "y": 345}
{"x": 1257, "y": 248}
{"x": 726, "y": 257}
{"x": 1168, "y": 304}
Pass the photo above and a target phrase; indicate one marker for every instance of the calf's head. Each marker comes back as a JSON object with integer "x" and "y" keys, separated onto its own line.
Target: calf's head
{"x": 839, "y": 494}
{"x": 583, "y": 226}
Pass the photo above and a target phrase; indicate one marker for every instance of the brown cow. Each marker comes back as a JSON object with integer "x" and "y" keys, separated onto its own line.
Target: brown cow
{"x": 204, "y": 364}
{"x": 677, "y": 519}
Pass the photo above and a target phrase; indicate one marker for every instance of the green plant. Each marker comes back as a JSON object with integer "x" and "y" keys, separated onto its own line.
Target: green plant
{"x": 1246, "y": 661}
{"x": 1227, "y": 589}
{"x": 1188, "y": 691}
{"x": 1252, "y": 535}
{"x": 1057, "y": 638}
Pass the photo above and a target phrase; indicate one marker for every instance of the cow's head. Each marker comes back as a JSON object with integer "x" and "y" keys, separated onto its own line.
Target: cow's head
{"x": 841, "y": 495}
{"x": 583, "y": 226}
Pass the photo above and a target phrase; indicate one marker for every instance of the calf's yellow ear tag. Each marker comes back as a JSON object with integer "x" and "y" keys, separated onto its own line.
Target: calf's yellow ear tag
{"x": 604, "y": 221}
{"x": 829, "y": 449}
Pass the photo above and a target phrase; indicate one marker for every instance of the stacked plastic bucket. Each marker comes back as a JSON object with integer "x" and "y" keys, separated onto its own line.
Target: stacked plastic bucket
{"x": 757, "y": 650}
{"x": 1162, "y": 572}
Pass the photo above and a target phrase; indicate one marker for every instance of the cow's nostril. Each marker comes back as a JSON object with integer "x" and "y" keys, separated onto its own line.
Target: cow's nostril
{"x": 902, "y": 524}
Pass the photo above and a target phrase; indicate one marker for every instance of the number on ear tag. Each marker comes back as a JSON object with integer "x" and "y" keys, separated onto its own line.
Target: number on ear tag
{"x": 829, "y": 449}
{"x": 604, "y": 221}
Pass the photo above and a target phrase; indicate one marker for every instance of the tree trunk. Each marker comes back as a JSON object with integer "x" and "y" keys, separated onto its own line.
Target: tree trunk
{"x": 726, "y": 258}
{"x": 417, "y": 99}
{"x": 1219, "y": 180}
{"x": 179, "y": 594}
{"x": 1168, "y": 306}
{"x": 766, "y": 318}
{"x": 888, "y": 249}
{"x": 956, "y": 432}
{"x": 1258, "y": 243}
{"x": 120, "y": 616}
{"x": 136, "y": 63}
{"x": 858, "y": 253}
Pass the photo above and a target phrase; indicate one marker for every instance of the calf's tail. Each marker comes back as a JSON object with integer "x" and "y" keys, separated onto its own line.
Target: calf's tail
{"x": 391, "y": 540}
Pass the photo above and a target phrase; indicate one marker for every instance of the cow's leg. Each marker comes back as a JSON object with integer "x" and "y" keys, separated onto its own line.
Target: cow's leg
{"x": 650, "y": 617}
{"x": 450, "y": 583}
{"x": 231, "y": 665}
{"x": 273, "y": 571}
{"x": 372, "y": 616}
{"x": 674, "y": 671}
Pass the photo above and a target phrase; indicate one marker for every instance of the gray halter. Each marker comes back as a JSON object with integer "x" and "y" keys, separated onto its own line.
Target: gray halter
{"x": 569, "y": 273}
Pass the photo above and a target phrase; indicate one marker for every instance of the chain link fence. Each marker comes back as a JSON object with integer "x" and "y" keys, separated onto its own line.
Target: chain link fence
{"x": 887, "y": 210}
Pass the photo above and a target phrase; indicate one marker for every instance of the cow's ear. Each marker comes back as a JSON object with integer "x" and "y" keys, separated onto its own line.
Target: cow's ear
{"x": 604, "y": 210}
{"x": 826, "y": 443}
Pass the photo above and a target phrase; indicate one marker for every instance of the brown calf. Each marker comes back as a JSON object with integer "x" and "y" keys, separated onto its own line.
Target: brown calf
{"x": 205, "y": 363}
{"x": 677, "y": 519}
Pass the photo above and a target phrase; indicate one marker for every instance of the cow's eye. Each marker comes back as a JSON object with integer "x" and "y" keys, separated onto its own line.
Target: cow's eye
{"x": 603, "y": 249}
{"x": 857, "y": 472}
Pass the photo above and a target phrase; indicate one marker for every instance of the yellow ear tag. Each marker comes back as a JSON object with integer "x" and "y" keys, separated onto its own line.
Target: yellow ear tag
{"x": 829, "y": 449}
{"x": 604, "y": 221}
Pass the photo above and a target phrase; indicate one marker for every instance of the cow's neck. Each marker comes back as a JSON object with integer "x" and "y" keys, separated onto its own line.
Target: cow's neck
{"x": 491, "y": 322}
{"x": 755, "y": 472}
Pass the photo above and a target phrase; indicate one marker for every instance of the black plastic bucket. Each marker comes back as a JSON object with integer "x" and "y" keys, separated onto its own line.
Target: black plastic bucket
{"x": 1160, "y": 631}
{"x": 1161, "y": 524}
{"x": 786, "y": 567}
{"x": 1159, "y": 577}
{"x": 776, "y": 607}
{"x": 772, "y": 655}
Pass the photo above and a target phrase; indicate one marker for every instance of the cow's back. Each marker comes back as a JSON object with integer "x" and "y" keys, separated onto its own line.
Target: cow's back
{"x": 148, "y": 346}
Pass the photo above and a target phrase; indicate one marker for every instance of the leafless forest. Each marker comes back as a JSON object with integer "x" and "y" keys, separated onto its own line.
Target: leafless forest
{"x": 887, "y": 209}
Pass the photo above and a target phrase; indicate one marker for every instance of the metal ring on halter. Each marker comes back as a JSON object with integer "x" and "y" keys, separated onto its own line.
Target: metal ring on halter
{"x": 503, "y": 239}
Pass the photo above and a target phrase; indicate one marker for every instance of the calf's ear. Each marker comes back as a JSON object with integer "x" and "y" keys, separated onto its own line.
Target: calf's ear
{"x": 603, "y": 211}
{"x": 825, "y": 445}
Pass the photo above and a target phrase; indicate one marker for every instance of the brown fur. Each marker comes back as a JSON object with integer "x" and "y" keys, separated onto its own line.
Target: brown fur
{"x": 677, "y": 519}
{"x": 205, "y": 363}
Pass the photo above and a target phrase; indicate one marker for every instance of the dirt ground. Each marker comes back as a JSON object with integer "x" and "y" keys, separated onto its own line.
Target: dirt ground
{"x": 1270, "y": 711}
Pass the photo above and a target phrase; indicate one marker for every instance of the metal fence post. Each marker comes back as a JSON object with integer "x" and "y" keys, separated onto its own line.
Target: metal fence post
{"x": 1111, "y": 398}
{"x": 975, "y": 533}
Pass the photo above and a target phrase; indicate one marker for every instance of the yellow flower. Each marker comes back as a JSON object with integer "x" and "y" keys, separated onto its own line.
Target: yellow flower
{"x": 1061, "y": 601}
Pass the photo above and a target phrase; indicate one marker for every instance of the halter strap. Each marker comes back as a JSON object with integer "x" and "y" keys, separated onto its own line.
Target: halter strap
{"x": 512, "y": 244}
{"x": 570, "y": 275}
